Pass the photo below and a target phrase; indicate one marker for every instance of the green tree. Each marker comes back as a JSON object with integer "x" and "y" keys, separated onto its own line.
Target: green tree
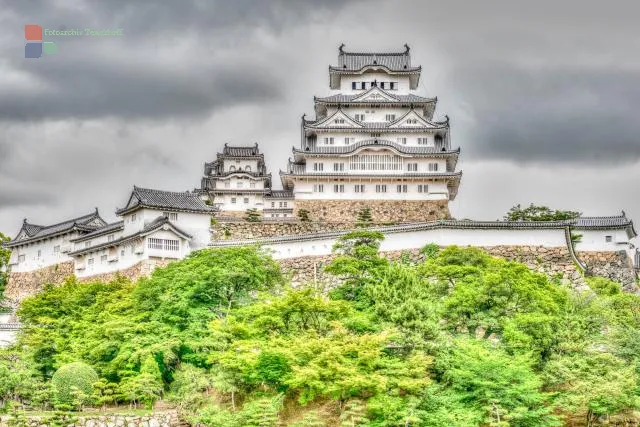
{"x": 252, "y": 215}
{"x": 73, "y": 384}
{"x": 364, "y": 218}
{"x": 5, "y": 254}
{"x": 539, "y": 213}
{"x": 303, "y": 215}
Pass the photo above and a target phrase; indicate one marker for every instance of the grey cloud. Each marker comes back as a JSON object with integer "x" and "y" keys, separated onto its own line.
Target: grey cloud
{"x": 554, "y": 115}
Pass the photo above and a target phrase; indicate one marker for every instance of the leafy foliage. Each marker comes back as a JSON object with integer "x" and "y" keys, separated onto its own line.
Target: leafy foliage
{"x": 539, "y": 213}
{"x": 458, "y": 338}
{"x": 303, "y": 215}
{"x": 5, "y": 254}
{"x": 252, "y": 215}
{"x": 73, "y": 384}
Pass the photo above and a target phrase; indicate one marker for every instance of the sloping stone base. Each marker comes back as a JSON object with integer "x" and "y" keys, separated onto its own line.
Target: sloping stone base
{"x": 142, "y": 269}
{"x": 23, "y": 285}
{"x": 382, "y": 211}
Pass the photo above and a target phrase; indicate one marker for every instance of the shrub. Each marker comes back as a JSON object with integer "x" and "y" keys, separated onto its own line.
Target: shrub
{"x": 73, "y": 384}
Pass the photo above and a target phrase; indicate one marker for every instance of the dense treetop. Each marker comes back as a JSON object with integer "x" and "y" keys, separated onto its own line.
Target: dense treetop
{"x": 457, "y": 339}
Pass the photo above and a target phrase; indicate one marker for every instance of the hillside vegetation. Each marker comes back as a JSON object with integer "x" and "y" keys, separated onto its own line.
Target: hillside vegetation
{"x": 461, "y": 339}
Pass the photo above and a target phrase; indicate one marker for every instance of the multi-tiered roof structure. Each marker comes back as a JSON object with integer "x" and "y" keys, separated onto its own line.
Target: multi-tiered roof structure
{"x": 374, "y": 144}
{"x": 238, "y": 181}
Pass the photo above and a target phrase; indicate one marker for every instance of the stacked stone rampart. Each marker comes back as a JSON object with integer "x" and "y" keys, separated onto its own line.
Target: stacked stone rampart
{"x": 156, "y": 419}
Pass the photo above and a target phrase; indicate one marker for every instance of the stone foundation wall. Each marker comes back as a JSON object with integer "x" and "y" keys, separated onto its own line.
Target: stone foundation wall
{"x": 255, "y": 230}
{"x": 142, "y": 269}
{"x": 394, "y": 211}
{"x": 23, "y": 285}
{"x": 616, "y": 266}
{"x": 554, "y": 262}
{"x": 159, "y": 419}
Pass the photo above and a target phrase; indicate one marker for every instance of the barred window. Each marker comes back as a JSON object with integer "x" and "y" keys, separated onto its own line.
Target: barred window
{"x": 21, "y": 258}
{"x": 338, "y": 167}
{"x": 163, "y": 244}
{"x": 103, "y": 258}
{"x": 433, "y": 167}
{"x": 359, "y": 188}
{"x": 90, "y": 261}
{"x": 401, "y": 188}
{"x": 172, "y": 216}
{"x": 56, "y": 249}
{"x": 338, "y": 188}
{"x": 318, "y": 188}
{"x": 412, "y": 167}
{"x": 376, "y": 162}
{"x": 381, "y": 188}
{"x": 423, "y": 188}
{"x": 402, "y": 140}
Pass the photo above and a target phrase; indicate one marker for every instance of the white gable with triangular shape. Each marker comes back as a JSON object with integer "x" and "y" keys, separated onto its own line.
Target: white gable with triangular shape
{"x": 375, "y": 94}
{"x": 339, "y": 119}
{"x": 411, "y": 119}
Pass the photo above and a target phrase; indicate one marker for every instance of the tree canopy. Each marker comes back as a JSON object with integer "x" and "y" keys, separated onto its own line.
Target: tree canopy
{"x": 539, "y": 213}
{"x": 458, "y": 338}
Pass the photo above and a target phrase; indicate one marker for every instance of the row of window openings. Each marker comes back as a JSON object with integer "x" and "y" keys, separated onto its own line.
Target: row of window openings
{"x": 382, "y": 85}
{"x": 239, "y": 184}
{"x": 339, "y": 167}
{"x": 246, "y": 169}
{"x": 380, "y": 188}
{"x": 330, "y": 140}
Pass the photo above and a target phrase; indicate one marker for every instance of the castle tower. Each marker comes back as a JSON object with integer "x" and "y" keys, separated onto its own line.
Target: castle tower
{"x": 237, "y": 180}
{"x": 374, "y": 144}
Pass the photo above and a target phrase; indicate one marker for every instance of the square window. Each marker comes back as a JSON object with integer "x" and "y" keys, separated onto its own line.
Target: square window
{"x": 608, "y": 239}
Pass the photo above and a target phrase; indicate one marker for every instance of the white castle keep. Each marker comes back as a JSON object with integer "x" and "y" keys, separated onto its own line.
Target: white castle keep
{"x": 374, "y": 144}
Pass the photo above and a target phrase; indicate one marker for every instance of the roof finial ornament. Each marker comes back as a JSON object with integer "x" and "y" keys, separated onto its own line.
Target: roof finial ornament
{"x": 96, "y": 209}
{"x": 341, "y": 48}
{"x": 406, "y": 46}
{"x": 226, "y": 143}
{"x": 24, "y": 221}
{"x": 446, "y": 116}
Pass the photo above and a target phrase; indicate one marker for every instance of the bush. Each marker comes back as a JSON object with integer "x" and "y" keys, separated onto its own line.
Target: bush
{"x": 73, "y": 384}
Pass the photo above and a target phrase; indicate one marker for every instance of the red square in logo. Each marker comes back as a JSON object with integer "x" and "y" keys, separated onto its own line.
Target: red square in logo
{"x": 33, "y": 32}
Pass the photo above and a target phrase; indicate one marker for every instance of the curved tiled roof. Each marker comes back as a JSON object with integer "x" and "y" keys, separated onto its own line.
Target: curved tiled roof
{"x": 241, "y": 151}
{"x": 356, "y": 61}
{"x": 279, "y": 194}
{"x": 32, "y": 232}
{"x": 348, "y": 99}
{"x": 109, "y": 228}
{"x": 148, "y": 198}
{"x": 148, "y": 228}
{"x": 374, "y": 142}
{"x": 606, "y": 222}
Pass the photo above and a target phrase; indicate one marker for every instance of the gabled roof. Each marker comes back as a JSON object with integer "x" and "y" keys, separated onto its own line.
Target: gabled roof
{"x": 169, "y": 200}
{"x": 241, "y": 151}
{"x": 279, "y": 194}
{"x": 107, "y": 229}
{"x": 359, "y": 62}
{"x": 151, "y": 227}
{"x": 360, "y": 98}
{"x": 606, "y": 222}
{"x": 32, "y": 232}
{"x": 392, "y": 61}
{"x": 329, "y": 122}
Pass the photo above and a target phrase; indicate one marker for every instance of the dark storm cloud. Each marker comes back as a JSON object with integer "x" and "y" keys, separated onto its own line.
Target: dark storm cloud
{"x": 553, "y": 115}
{"x": 175, "y": 59}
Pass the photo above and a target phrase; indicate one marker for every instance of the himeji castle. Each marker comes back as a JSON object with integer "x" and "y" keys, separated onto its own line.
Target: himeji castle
{"x": 374, "y": 143}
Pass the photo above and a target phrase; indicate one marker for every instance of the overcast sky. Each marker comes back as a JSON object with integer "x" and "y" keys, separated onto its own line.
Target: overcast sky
{"x": 542, "y": 95}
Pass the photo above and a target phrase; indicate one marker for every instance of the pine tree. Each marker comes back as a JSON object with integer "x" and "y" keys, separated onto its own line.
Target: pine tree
{"x": 364, "y": 218}
{"x": 303, "y": 215}
{"x": 252, "y": 215}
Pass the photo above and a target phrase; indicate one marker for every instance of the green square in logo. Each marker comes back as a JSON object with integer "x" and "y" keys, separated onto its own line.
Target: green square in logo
{"x": 49, "y": 48}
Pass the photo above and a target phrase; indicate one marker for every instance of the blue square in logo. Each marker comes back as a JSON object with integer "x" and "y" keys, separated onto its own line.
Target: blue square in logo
{"x": 33, "y": 50}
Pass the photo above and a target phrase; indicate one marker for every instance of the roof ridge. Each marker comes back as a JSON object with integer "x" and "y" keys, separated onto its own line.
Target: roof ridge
{"x": 71, "y": 220}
